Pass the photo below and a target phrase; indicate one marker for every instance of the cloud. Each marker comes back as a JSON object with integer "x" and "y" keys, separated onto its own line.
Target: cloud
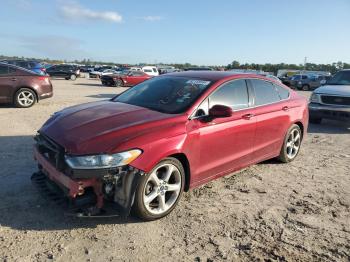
{"x": 151, "y": 18}
{"x": 74, "y": 11}
{"x": 53, "y": 46}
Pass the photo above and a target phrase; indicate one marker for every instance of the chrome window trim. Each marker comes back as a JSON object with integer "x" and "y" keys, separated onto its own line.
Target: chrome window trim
{"x": 249, "y": 107}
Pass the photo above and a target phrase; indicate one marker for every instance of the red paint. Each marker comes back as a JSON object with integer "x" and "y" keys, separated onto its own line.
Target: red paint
{"x": 213, "y": 148}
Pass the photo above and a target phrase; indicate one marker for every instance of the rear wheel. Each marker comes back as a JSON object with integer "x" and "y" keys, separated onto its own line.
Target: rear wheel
{"x": 160, "y": 190}
{"x": 25, "y": 97}
{"x": 291, "y": 144}
{"x": 119, "y": 82}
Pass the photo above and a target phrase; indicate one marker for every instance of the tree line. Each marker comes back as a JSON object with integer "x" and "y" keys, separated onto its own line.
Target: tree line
{"x": 267, "y": 67}
{"x": 334, "y": 67}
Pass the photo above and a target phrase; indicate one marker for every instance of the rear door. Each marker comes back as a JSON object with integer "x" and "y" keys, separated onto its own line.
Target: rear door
{"x": 272, "y": 118}
{"x": 7, "y": 83}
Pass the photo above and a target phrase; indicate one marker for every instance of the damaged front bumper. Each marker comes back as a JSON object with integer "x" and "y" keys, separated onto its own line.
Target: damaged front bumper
{"x": 106, "y": 194}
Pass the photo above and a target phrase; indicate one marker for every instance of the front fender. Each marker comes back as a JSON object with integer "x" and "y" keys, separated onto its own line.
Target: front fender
{"x": 155, "y": 152}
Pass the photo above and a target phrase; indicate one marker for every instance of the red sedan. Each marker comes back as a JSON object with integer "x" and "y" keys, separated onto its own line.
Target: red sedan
{"x": 129, "y": 78}
{"x": 146, "y": 146}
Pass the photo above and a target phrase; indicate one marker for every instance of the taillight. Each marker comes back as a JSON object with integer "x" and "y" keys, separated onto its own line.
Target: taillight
{"x": 44, "y": 78}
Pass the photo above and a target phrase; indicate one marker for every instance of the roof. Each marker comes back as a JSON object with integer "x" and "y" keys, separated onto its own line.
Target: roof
{"x": 212, "y": 75}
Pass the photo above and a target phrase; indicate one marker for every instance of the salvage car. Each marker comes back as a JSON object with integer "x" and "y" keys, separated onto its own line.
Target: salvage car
{"x": 332, "y": 100}
{"x": 124, "y": 78}
{"x": 143, "y": 148}
{"x": 23, "y": 87}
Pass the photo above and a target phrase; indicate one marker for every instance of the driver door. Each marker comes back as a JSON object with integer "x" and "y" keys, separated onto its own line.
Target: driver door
{"x": 225, "y": 144}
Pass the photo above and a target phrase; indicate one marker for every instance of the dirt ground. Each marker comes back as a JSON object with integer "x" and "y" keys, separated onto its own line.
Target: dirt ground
{"x": 268, "y": 212}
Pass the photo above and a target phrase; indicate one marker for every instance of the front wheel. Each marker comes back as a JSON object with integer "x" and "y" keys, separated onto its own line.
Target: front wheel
{"x": 291, "y": 144}
{"x": 160, "y": 190}
{"x": 73, "y": 77}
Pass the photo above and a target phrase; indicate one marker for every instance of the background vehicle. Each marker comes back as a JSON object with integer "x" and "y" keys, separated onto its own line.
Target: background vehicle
{"x": 100, "y": 72}
{"x": 332, "y": 101}
{"x": 309, "y": 82}
{"x": 22, "y": 87}
{"x": 64, "y": 71}
{"x": 125, "y": 78}
{"x": 167, "y": 135}
{"x": 150, "y": 70}
{"x": 32, "y": 65}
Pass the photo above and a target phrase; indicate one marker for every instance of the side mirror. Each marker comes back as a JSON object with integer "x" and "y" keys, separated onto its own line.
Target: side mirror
{"x": 220, "y": 111}
{"x": 323, "y": 82}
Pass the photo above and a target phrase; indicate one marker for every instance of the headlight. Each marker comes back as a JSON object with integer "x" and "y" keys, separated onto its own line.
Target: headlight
{"x": 315, "y": 98}
{"x": 102, "y": 161}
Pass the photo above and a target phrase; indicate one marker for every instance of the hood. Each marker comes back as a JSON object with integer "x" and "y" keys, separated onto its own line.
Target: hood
{"x": 340, "y": 90}
{"x": 99, "y": 127}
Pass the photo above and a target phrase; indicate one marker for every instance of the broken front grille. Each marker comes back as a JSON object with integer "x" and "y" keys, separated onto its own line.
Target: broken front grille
{"x": 336, "y": 100}
{"x": 53, "y": 152}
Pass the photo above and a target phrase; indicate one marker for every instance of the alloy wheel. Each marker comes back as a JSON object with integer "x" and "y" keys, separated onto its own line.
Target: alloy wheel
{"x": 293, "y": 143}
{"x": 162, "y": 189}
{"x": 26, "y": 98}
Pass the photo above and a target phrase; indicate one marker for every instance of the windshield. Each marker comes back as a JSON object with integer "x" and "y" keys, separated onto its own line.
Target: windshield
{"x": 340, "y": 78}
{"x": 165, "y": 94}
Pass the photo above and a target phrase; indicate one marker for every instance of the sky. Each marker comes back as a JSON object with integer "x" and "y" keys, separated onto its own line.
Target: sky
{"x": 203, "y": 32}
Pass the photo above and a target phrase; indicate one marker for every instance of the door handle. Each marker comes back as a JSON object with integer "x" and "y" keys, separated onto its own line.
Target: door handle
{"x": 285, "y": 108}
{"x": 248, "y": 116}
{"x": 13, "y": 79}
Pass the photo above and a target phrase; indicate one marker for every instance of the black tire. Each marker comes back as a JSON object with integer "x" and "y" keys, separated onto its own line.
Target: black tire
{"x": 25, "y": 98}
{"x": 284, "y": 156}
{"x": 73, "y": 77}
{"x": 305, "y": 87}
{"x": 315, "y": 120}
{"x": 119, "y": 82}
{"x": 139, "y": 208}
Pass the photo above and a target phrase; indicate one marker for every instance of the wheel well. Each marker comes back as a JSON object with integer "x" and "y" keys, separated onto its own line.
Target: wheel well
{"x": 186, "y": 165}
{"x": 36, "y": 94}
{"x": 301, "y": 128}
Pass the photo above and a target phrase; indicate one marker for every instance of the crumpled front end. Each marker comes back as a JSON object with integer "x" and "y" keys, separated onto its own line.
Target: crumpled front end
{"x": 101, "y": 192}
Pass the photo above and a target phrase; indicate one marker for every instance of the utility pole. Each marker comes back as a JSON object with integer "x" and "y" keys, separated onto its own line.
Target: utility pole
{"x": 305, "y": 61}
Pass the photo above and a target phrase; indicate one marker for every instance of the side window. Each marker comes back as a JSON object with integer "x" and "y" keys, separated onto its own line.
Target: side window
{"x": 4, "y": 70}
{"x": 265, "y": 92}
{"x": 283, "y": 92}
{"x": 233, "y": 94}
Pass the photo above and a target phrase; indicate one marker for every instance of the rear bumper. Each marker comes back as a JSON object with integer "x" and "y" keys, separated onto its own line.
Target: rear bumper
{"x": 46, "y": 95}
{"x": 329, "y": 112}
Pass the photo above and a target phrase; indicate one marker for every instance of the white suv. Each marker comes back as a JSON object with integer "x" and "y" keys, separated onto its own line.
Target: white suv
{"x": 150, "y": 70}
